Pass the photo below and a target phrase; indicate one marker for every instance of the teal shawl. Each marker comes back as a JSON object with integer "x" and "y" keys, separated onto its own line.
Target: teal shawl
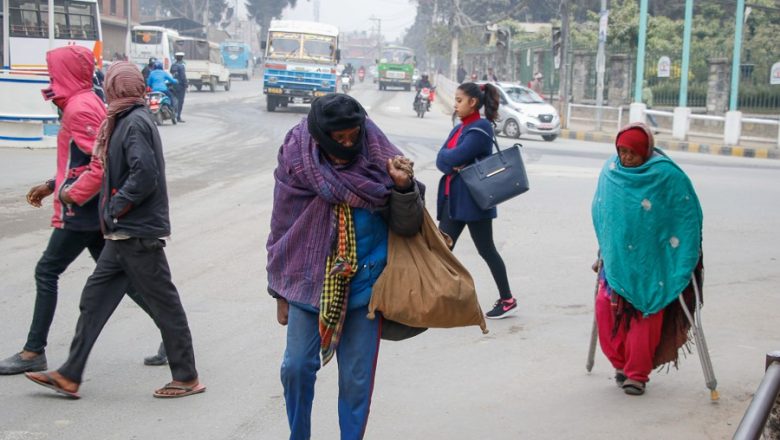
{"x": 648, "y": 224}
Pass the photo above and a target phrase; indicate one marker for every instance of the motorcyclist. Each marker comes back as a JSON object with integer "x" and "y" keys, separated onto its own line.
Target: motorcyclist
{"x": 148, "y": 68}
{"x": 361, "y": 73}
{"x": 158, "y": 81}
{"x": 423, "y": 83}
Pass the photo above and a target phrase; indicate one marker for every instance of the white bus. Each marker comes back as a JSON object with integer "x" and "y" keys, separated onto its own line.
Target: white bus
{"x": 29, "y": 29}
{"x": 151, "y": 42}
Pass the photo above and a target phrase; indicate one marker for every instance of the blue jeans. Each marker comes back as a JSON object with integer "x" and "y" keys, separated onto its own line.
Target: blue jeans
{"x": 356, "y": 354}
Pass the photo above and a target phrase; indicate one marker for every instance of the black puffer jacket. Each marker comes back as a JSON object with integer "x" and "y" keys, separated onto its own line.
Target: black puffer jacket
{"x": 134, "y": 198}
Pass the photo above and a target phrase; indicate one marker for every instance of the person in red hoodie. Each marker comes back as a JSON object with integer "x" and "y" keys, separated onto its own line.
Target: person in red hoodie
{"x": 75, "y": 186}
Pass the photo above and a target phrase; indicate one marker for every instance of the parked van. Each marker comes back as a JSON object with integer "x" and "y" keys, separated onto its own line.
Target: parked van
{"x": 204, "y": 63}
{"x": 238, "y": 58}
{"x": 151, "y": 42}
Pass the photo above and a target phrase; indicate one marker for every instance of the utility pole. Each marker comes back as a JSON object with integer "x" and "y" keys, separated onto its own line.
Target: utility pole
{"x": 601, "y": 62}
{"x": 317, "y": 10}
{"x": 378, "y": 35}
{"x": 563, "y": 89}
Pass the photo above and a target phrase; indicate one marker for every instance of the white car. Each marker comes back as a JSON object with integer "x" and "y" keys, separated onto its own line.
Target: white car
{"x": 523, "y": 111}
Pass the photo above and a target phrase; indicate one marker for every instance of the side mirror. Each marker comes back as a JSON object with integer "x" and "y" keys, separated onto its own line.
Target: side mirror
{"x": 263, "y": 45}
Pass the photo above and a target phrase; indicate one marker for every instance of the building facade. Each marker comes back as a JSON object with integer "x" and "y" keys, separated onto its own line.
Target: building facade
{"x": 113, "y": 19}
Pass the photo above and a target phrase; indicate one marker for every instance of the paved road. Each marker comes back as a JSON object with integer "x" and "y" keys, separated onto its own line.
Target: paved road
{"x": 525, "y": 379}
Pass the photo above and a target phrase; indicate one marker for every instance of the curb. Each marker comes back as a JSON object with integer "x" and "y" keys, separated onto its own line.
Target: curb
{"x": 691, "y": 147}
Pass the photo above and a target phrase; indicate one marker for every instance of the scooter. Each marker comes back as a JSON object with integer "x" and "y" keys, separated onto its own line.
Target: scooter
{"x": 361, "y": 75}
{"x": 345, "y": 83}
{"x": 422, "y": 103}
{"x": 160, "y": 106}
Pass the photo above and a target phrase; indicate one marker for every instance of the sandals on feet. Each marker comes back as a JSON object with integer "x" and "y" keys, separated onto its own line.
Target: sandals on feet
{"x": 51, "y": 383}
{"x": 182, "y": 390}
{"x": 633, "y": 387}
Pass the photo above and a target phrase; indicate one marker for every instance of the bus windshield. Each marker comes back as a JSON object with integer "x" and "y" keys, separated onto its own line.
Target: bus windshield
{"x": 397, "y": 56}
{"x": 147, "y": 37}
{"x": 287, "y": 45}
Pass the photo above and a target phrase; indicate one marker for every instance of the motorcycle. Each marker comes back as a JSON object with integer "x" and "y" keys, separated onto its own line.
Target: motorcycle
{"x": 345, "y": 83}
{"x": 422, "y": 102}
{"x": 160, "y": 106}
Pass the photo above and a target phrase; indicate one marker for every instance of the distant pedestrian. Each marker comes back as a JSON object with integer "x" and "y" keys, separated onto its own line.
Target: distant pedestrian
{"x": 461, "y": 73}
{"x": 470, "y": 140}
{"x": 340, "y": 186}
{"x": 179, "y": 72}
{"x": 537, "y": 84}
{"x": 648, "y": 223}
{"x": 134, "y": 217}
{"x": 76, "y": 185}
{"x": 490, "y": 75}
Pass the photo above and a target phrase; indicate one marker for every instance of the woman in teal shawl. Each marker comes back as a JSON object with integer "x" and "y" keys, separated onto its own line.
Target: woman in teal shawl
{"x": 648, "y": 223}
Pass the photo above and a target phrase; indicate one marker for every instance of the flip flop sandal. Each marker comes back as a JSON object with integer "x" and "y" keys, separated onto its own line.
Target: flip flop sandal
{"x": 186, "y": 391}
{"x": 633, "y": 387}
{"x": 52, "y": 384}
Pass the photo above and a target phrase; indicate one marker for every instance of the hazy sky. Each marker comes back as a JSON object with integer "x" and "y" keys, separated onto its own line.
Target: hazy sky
{"x": 350, "y": 15}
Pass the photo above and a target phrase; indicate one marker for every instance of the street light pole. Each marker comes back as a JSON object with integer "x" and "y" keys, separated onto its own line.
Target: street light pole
{"x": 601, "y": 63}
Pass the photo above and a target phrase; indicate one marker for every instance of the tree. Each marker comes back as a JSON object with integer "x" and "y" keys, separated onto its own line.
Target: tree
{"x": 192, "y": 9}
{"x": 263, "y": 11}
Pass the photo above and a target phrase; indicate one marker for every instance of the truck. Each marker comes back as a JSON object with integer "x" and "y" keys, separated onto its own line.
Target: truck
{"x": 396, "y": 67}
{"x": 300, "y": 62}
{"x": 204, "y": 63}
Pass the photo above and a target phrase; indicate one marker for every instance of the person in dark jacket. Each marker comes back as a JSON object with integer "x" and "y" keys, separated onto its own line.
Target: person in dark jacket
{"x": 134, "y": 219}
{"x": 470, "y": 140}
{"x": 148, "y": 68}
{"x": 76, "y": 185}
{"x": 179, "y": 73}
{"x": 340, "y": 186}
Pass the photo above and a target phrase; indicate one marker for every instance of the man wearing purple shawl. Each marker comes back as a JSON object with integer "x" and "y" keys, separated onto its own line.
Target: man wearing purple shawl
{"x": 340, "y": 184}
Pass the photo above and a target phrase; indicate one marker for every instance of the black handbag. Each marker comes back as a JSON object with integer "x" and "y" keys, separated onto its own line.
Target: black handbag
{"x": 496, "y": 178}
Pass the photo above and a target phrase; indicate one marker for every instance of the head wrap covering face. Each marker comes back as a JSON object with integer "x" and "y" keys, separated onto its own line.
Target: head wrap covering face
{"x": 638, "y": 138}
{"x": 333, "y": 113}
{"x": 125, "y": 89}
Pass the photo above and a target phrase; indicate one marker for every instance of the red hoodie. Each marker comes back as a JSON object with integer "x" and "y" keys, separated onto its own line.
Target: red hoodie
{"x": 70, "y": 72}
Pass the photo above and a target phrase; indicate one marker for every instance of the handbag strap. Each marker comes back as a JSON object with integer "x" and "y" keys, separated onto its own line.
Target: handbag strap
{"x": 492, "y": 138}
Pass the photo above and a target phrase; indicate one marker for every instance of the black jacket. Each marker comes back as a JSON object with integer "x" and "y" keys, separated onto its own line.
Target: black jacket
{"x": 134, "y": 197}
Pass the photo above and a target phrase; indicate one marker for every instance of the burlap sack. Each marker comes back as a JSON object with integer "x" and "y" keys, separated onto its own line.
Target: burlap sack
{"x": 424, "y": 285}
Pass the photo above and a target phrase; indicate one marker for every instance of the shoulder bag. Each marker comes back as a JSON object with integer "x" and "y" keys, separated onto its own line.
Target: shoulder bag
{"x": 496, "y": 178}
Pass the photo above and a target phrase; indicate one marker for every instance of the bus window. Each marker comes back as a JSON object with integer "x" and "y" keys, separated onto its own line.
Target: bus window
{"x": 24, "y": 19}
{"x": 319, "y": 49}
{"x": 282, "y": 46}
{"x": 147, "y": 37}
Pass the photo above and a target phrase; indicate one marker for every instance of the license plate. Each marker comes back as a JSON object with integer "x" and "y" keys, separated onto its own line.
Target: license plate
{"x": 395, "y": 75}
{"x": 320, "y": 93}
{"x": 297, "y": 100}
{"x": 275, "y": 90}
{"x": 545, "y": 126}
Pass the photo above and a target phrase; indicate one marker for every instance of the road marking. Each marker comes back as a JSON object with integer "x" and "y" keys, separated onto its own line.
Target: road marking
{"x": 393, "y": 109}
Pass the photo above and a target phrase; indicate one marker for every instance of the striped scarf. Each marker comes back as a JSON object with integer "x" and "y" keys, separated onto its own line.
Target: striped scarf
{"x": 341, "y": 265}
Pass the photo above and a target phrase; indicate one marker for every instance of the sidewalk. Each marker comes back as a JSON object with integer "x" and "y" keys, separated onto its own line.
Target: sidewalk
{"x": 693, "y": 144}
